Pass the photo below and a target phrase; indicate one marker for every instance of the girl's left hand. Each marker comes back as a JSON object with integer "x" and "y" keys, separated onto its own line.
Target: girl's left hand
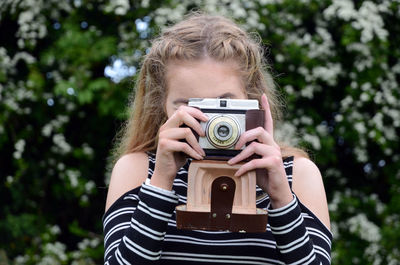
{"x": 271, "y": 175}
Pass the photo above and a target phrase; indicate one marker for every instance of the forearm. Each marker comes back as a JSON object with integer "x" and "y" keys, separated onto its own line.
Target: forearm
{"x": 293, "y": 239}
{"x": 140, "y": 241}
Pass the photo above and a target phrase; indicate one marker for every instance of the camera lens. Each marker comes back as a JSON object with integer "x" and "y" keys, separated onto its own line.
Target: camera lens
{"x": 223, "y": 131}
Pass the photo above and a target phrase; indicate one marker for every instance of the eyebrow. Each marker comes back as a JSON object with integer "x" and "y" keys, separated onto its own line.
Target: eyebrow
{"x": 183, "y": 100}
{"x": 180, "y": 100}
{"x": 227, "y": 95}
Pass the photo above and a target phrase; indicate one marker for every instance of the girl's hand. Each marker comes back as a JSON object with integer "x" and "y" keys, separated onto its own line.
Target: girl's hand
{"x": 271, "y": 175}
{"x": 170, "y": 150}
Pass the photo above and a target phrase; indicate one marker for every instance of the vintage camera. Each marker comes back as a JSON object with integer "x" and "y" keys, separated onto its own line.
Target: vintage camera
{"x": 228, "y": 119}
{"x": 216, "y": 199}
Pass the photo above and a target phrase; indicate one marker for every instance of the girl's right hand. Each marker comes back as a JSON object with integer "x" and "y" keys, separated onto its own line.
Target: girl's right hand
{"x": 170, "y": 150}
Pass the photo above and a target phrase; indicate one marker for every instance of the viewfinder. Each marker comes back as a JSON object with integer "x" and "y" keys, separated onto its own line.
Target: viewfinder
{"x": 222, "y": 103}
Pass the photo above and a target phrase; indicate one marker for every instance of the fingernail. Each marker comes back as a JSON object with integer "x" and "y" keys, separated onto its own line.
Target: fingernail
{"x": 202, "y": 152}
{"x": 205, "y": 117}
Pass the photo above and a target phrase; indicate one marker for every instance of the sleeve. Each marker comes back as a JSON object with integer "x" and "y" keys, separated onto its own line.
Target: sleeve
{"x": 135, "y": 226}
{"x": 300, "y": 237}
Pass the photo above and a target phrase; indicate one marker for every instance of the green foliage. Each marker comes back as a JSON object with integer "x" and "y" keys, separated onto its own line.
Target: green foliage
{"x": 336, "y": 62}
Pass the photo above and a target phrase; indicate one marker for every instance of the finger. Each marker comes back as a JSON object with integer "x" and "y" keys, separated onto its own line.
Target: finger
{"x": 183, "y": 133}
{"x": 268, "y": 121}
{"x": 187, "y": 149}
{"x": 254, "y": 148}
{"x": 259, "y": 134}
{"x": 196, "y": 113}
{"x": 187, "y": 115}
{"x": 175, "y": 146}
{"x": 267, "y": 162}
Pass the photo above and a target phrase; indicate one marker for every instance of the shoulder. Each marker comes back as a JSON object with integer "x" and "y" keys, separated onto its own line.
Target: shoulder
{"x": 129, "y": 172}
{"x": 304, "y": 167}
{"x": 309, "y": 188}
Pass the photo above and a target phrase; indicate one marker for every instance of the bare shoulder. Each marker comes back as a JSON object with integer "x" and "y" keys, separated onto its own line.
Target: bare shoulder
{"x": 304, "y": 166}
{"x": 309, "y": 188}
{"x": 129, "y": 172}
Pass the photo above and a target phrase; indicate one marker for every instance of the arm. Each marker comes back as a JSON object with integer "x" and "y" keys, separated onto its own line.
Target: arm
{"x": 129, "y": 172}
{"x": 139, "y": 225}
{"x": 287, "y": 221}
{"x": 299, "y": 233}
{"x": 309, "y": 188}
{"x": 135, "y": 224}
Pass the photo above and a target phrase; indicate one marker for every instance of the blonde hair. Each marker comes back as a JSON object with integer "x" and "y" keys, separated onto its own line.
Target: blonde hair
{"x": 197, "y": 37}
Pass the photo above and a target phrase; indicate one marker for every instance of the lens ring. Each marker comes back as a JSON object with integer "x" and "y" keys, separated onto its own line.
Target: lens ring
{"x": 218, "y": 141}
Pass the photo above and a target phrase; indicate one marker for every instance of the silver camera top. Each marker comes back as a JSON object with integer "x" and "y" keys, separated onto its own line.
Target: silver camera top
{"x": 223, "y": 103}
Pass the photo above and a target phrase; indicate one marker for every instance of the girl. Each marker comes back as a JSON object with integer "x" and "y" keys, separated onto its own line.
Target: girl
{"x": 207, "y": 57}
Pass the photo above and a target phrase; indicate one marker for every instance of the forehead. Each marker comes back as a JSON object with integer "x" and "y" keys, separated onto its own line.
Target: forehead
{"x": 203, "y": 78}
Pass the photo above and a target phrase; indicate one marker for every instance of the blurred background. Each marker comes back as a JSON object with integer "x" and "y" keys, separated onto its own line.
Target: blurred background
{"x": 68, "y": 66}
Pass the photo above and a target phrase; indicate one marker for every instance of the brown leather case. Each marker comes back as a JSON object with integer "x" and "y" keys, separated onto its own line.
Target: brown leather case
{"x": 244, "y": 223}
{"x": 221, "y": 216}
{"x": 254, "y": 118}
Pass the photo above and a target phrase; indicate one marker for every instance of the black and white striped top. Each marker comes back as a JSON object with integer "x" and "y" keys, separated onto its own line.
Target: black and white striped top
{"x": 140, "y": 228}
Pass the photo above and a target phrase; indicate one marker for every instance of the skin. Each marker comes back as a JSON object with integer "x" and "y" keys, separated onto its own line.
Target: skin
{"x": 210, "y": 79}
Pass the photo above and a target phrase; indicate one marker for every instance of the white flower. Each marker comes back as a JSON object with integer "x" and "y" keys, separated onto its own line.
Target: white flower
{"x": 306, "y": 120}
{"x": 62, "y": 146}
{"x": 57, "y": 249}
{"x": 9, "y": 179}
{"x": 73, "y": 176}
{"x": 89, "y": 186}
{"x": 339, "y": 118}
{"x": 364, "y": 228}
{"x": 286, "y": 132}
{"x": 145, "y": 3}
{"x": 46, "y": 130}
{"x": 21, "y": 259}
{"x": 84, "y": 198}
{"x": 372, "y": 251}
{"x": 322, "y": 129}
{"x": 19, "y": 148}
{"x": 366, "y": 19}
{"x": 55, "y": 230}
{"x": 120, "y": 7}
{"x": 360, "y": 127}
{"x": 94, "y": 242}
{"x": 344, "y": 9}
{"x": 361, "y": 154}
{"x": 313, "y": 140}
{"x": 87, "y": 150}
{"x": 279, "y": 58}
{"x": 327, "y": 73}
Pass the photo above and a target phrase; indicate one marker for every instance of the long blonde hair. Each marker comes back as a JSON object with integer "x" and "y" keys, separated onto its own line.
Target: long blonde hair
{"x": 197, "y": 37}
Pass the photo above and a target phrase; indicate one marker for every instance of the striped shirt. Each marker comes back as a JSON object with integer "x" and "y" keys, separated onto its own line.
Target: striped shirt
{"x": 140, "y": 228}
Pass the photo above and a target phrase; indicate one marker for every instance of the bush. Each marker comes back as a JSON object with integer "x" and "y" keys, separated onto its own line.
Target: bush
{"x": 66, "y": 69}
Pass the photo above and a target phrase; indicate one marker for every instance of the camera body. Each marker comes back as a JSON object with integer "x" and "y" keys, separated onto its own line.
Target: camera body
{"x": 228, "y": 119}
